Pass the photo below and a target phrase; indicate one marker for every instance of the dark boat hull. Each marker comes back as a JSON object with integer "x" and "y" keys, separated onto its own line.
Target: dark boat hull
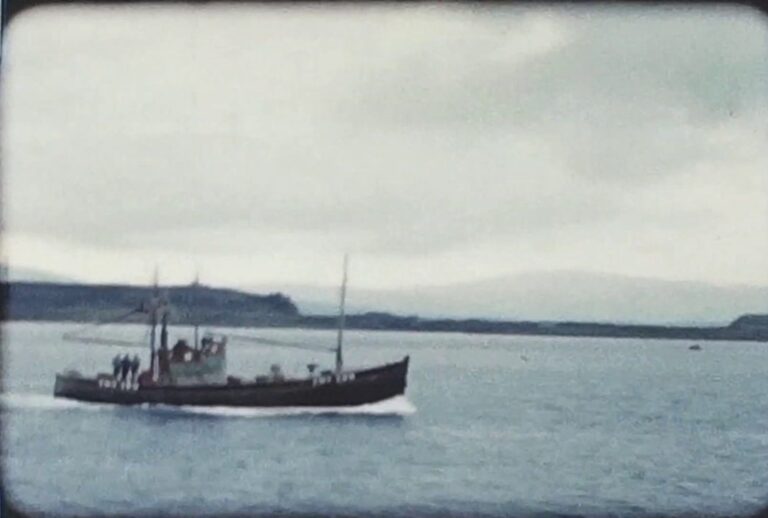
{"x": 357, "y": 388}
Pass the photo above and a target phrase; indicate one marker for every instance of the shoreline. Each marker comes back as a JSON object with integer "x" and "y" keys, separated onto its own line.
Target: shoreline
{"x": 649, "y": 332}
{"x": 221, "y": 307}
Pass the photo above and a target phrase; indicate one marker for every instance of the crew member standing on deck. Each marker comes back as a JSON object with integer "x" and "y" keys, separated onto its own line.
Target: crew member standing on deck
{"x": 163, "y": 362}
{"x": 116, "y": 363}
{"x": 134, "y": 369}
{"x": 125, "y": 366}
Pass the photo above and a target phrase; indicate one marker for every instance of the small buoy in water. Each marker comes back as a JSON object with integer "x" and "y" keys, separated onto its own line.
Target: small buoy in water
{"x": 695, "y": 347}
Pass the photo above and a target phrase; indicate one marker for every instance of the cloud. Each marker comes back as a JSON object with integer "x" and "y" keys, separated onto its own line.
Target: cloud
{"x": 618, "y": 104}
{"x": 408, "y": 134}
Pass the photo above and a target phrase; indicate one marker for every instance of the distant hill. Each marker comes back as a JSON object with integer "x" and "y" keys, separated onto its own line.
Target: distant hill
{"x": 537, "y": 296}
{"x": 551, "y": 296}
{"x": 226, "y": 307}
{"x": 19, "y": 274}
{"x": 202, "y": 304}
{"x": 737, "y": 330}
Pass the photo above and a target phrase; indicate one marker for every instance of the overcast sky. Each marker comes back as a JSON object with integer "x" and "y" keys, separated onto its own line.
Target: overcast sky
{"x": 435, "y": 144}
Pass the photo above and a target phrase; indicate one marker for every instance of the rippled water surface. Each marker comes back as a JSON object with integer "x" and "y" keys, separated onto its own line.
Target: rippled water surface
{"x": 496, "y": 425}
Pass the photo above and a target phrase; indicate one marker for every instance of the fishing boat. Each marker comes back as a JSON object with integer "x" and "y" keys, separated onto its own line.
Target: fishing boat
{"x": 196, "y": 374}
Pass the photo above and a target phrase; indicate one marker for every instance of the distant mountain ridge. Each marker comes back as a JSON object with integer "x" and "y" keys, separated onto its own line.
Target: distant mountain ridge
{"x": 226, "y": 307}
{"x": 540, "y": 296}
{"x": 551, "y": 296}
{"x": 189, "y": 304}
{"x": 20, "y": 274}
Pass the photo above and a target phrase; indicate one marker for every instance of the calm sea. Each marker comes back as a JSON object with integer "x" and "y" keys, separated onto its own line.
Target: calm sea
{"x": 489, "y": 425}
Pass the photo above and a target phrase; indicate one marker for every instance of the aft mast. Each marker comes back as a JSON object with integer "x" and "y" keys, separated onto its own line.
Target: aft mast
{"x": 153, "y": 307}
{"x": 196, "y": 285}
{"x": 158, "y": 310}
{"x": 339, "y": 359}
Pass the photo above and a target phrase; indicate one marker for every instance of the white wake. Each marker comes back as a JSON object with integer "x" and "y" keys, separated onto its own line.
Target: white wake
{"x": 398, "y": 405}
{"x": 32, "y": 401}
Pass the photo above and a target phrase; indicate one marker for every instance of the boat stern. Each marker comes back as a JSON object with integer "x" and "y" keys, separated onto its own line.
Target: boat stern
{"x": 72, "y": 385}
{"x": 64, "y": 384}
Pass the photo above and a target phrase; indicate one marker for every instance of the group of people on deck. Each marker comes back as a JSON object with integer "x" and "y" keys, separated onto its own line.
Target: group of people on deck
{"x": 122, "y": 366}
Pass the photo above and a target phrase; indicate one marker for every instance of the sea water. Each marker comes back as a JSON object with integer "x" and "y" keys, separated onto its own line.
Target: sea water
{"x": 489, "y": 425}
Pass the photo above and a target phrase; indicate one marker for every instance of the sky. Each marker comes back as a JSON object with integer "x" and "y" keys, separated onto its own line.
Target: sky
{"x": 435, "y": 144}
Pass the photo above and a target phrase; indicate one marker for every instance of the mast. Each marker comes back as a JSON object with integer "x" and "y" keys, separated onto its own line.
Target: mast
{"x": 153, "y": 307}
{"x": 339, "y": 359}
{"x": 196, "y": 284}
{"x": 164, "y": 324}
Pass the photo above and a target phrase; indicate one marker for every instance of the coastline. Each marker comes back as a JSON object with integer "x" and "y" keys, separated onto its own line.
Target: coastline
{"x": 82, "y": 303}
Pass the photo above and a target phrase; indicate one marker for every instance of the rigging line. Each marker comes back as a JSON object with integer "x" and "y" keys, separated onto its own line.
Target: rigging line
{"x": 74, "y": 333}
{"x": 280, "y": 343}
{"x": 105, "y": 341}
